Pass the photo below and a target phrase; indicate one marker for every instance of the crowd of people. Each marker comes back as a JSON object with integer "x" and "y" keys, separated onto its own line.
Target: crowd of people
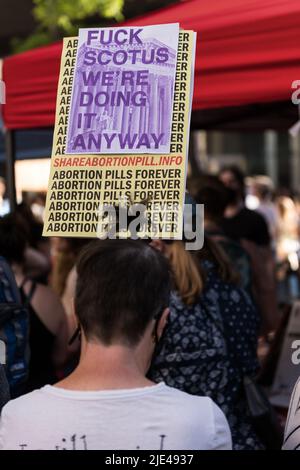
{"x": 142, "y": 344}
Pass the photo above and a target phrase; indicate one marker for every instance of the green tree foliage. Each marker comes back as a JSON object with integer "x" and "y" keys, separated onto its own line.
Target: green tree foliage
{"x": 59, "y": 18}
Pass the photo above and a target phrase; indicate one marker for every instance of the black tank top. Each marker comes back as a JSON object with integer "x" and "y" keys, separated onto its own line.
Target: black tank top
{"x": 41, "y": 342}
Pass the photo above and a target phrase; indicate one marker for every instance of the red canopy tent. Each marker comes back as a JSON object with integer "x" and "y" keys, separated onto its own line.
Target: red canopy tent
{"x": 247, "y": 53}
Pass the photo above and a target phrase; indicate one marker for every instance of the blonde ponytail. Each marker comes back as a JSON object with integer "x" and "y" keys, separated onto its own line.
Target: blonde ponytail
{"x": 188, "y": 278}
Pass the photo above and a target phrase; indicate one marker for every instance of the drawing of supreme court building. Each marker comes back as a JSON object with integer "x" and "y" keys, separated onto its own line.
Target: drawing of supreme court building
{"x": 154, "y": 116}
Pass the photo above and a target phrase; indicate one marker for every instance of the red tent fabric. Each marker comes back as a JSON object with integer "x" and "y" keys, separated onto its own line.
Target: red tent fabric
{"x": 248, "y": 51}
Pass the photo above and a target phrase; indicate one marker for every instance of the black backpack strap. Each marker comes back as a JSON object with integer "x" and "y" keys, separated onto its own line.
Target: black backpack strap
{"x": 28, "y": 296}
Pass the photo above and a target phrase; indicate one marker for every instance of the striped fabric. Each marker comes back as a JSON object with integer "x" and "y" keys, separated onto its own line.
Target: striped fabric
{"x": 292, "y": 428}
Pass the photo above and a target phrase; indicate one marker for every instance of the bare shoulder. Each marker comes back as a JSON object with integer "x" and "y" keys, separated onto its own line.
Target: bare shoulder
{"x": 48, "y": 307}
{"x": 46, "y": 293}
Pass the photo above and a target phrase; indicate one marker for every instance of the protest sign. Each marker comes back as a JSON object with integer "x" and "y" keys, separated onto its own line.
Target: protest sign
{"x": 79, "y": 185}
{"x": 122, "y": 97}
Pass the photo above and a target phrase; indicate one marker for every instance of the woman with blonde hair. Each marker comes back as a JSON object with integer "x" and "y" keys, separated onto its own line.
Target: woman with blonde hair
{"x": 210, "y": 341}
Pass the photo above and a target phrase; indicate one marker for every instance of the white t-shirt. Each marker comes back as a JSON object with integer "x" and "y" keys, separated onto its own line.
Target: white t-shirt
{"x": 155, "y": 417}
{"x": 292, "y": 427}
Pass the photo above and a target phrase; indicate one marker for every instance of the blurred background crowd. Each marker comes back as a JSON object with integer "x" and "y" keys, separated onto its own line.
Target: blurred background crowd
{"x": 248, "y": 270}
{"x": 231, "y": 302}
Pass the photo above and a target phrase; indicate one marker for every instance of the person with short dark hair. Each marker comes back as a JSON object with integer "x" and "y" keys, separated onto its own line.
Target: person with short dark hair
{"x": 213, "y": 194}
{"x": 239, "y": 222}
{"x": 251, "y": 230}
{"x": 121, "y": 302}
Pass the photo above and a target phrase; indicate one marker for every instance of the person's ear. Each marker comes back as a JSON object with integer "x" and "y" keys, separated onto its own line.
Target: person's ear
{"x": 73, "y": 306}
{"x": 162, "y": 322}
{"x": 158, "y": 245}
{"x": 73, "y": 317}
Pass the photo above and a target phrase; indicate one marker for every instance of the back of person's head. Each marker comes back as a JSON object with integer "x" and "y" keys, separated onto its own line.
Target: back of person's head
{"x": 76, "y": 245}
{"x": 121, "y": 286}
{"x": 13, "y": 239}
{"x": 214, "y": 195}
{"x": 33, "y": 227}
{"x": 234, "y": 178}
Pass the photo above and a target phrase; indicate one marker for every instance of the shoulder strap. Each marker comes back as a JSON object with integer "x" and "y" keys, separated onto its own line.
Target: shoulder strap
{"x": 28, "y": 296}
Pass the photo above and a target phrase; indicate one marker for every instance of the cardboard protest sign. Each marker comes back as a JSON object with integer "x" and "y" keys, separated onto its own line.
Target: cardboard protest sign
{"x": 80, "y": 184}
{"x": 122, "y": 96}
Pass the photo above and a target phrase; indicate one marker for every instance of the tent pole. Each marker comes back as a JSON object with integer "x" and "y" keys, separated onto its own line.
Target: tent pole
{"x": 10, "y": 151}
